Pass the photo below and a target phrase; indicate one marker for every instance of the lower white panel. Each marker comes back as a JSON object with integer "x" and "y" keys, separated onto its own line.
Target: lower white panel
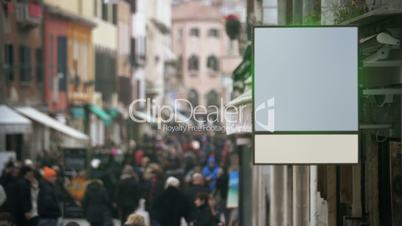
{"x": 305, "y": 149}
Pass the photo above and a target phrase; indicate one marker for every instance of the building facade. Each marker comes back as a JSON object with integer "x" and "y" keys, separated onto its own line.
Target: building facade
{"x": 21, "y": 46}
{"x": 202, "y": 70}
{"x": 361, "y": 194}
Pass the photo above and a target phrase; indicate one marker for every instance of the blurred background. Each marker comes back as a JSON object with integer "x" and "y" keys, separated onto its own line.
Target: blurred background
{"x": 70, "y": 69}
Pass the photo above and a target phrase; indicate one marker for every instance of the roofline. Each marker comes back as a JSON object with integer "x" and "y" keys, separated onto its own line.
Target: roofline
{"x": 365, "y": 18}
{"x": 59, "y": 12}
{"x": 198, "y": 20}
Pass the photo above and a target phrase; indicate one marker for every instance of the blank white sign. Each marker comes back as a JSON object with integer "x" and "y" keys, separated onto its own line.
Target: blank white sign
{"x": 306, "y": 82}
{"x": 311, "y": 73}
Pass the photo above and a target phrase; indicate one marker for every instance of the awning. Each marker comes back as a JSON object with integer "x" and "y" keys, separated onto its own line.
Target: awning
{"x": 238, "y": 122}
{"x": 11, "y": 122}
{"x": 77, "y": 112}
{"x": 101, "y": 114}
{"x": 243, "y": 71}
{"x": 51, "y": 122}
{"x": 168, "y": 54}
{"x": 113, "y": 113}
{"x": 244, "y": 98}
{"x": 373, "y": 16}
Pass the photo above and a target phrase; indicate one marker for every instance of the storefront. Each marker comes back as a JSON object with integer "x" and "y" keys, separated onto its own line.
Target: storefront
{"x": 14, "y": 129}
{"x": 50, "y": 134}
{"x": 369, "y": 193}
{"x": 238, "y": 118}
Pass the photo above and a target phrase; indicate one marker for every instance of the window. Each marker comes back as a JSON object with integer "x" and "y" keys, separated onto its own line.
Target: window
{"x": 25, "y": 64}
{"x": 96, "y": 8}
{"x": 179, "y": 34}
{"x": 195, "y": 32}
{"x": 138, "y": 89}
{"x": 213, "y": 63}
{"x": 133, "y": 6}
{"x": 213, "y": 98}
{"x": 114, "y": 12}
{"x": 193, "y": 63}
{"x": 9, "y": 61}
{"x": 138, "y": 50}
{"x": 213, "y": 33}
{"x": 193, "y": 97}
{"x": 39, "y": 65}
{"x": 132, "y": 51}
{"x": 104, "y": 11}
{"x": 180, "y": 63}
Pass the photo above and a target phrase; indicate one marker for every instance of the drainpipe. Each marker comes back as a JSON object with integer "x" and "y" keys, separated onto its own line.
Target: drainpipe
{"x": 3, "y": 78}
{"x": 313, "y": 196}
{"x": 276, "y": 196}
{"x": 288, "y": 189}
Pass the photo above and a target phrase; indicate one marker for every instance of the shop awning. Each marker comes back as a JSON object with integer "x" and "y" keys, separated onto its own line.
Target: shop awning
{"x": 238, "y": 122}
{"x": 113, "y": 113}
{"x": 52, "y": 123}
{"x": 77, "y": 112}
{"x": 243, "y": 71}
{"x": 168, "y": 54}
{"x": 244, "y": 98}
{"x": 373, "y": 16}
{"x": 11, "y": 122}
{"x": 101, "y": 114}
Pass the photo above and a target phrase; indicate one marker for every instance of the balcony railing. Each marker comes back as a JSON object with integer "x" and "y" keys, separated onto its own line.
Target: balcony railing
{"x": 29, "y": 14}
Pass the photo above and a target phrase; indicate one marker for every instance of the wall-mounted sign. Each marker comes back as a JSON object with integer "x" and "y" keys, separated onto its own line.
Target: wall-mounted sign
{"x": 305, "y": 95}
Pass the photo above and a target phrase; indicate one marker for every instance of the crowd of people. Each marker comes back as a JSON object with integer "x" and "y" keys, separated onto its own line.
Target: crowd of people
{"x": 162, "y": 181}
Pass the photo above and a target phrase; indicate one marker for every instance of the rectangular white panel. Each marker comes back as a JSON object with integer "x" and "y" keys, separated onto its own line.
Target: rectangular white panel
{"x": 311, "y": 76}
{"x": 305, "y": 149}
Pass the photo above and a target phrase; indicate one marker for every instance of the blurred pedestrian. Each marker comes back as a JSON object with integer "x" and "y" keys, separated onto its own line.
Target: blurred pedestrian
{"x": 27, "y": 190}
{"x": 210, "y": 172}
{"x": 76, "y": 187}
{"x": 154, "y": 183}
{"x": 171, "y": 206}
{"x": 128, "y": 193}
{"x": 96, "y": 205}
{"x": 3, "y": 195}
{"x": 197, "y": 186}
{"x": 6, "y": 219}
{"x": 221, "y": 192}
{"x": 48, "y": 201}
{"x": 218, "y": 217}
{"x": 142, "y": 212}
{"x": 135, "y": 220}
{"x": 9, "y": 181}
{"x": 203, "y": 216}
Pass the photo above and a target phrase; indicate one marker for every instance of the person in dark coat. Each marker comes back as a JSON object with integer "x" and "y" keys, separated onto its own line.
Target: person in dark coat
{"x": 221, "y": 192}
{"x": 196, "y": 187}
{"x": 9, "y": 180}
{"x": 203, "y": 215}
{"x": 171, "y": 205}
{"x": 128, "y": 193}
{"x": 25, "y": 210}
{"x": 48, "y": 201}
{"x": 96, "y": 205}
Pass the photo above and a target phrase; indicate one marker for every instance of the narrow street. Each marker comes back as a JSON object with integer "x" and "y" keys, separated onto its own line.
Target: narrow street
{"x": 200, "y": 113}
